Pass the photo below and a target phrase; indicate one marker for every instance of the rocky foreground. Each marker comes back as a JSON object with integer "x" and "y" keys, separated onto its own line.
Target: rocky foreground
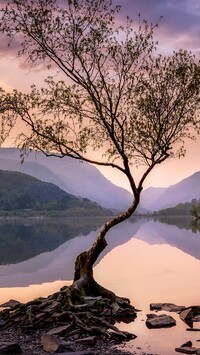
{"x": 55, "y": 325}
{"x": 85, "y": 327}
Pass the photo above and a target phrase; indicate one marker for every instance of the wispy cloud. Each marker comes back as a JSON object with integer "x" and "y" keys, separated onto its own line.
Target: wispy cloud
{"x": 180, "y": 25}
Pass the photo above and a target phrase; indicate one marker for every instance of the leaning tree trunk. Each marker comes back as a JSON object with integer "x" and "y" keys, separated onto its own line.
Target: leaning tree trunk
{"x": 84, "y": 282}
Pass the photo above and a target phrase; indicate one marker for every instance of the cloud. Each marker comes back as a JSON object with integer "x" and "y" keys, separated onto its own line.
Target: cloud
{"x": 180, "y": 25}
{"x": 5, "y": 49}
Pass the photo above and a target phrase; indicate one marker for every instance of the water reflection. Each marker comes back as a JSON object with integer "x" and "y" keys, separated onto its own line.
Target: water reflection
{"x": 58, "y": 264}
{"x": 146, "y": 260}
{"x": 45, "y": 251}
{"x": 159, "y": 264}
{"x": 22, "y": 239}
{"x": 176, "y": 232}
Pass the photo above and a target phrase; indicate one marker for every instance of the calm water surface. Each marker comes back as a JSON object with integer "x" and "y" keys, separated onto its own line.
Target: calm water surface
{"x": 146, "y": 260}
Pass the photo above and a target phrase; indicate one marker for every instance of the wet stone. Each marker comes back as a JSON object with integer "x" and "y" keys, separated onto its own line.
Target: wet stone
{"x": 186, "y": 350}
{"x": 190, "y": 315}
{"x": 170, "y": 307}
{"x": 160, "y": 321}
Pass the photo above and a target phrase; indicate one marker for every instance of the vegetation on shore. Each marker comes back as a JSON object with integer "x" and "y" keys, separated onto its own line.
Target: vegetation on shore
{"x": 182, "y": 209}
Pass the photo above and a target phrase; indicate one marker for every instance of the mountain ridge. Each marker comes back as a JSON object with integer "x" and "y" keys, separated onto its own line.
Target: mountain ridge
{"x": 22, "y": 192}
{"x": 78, "y": 178}
{"x": 183, "y": 191}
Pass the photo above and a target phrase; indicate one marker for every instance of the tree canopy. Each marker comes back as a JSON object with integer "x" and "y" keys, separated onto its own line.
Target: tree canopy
{"x": 114, "y": 94}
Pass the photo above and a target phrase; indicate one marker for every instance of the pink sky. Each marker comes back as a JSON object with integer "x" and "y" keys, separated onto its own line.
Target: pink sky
{"x": 179, "y": 28}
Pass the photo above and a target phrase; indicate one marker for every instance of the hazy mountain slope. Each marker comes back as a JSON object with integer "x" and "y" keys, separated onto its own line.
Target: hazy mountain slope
{"x": 19, "y": 191}
{"x": 184, "y": 191}
{"x": 81, "y": 179}
{"x": 150, "y": 196}
{"x": 34, "y": 169}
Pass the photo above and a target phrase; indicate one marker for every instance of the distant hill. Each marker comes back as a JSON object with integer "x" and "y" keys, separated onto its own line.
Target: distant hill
{"x": 77, "y": 178}
{"x": 20, "y": 191}
{"x": 182, "y": 209}
{"x": 155, "y": 199}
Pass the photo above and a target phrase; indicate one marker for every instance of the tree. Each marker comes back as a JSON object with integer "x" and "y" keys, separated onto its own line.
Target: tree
{"x": 115, "y": 95}
{"x": 195, "y": 211}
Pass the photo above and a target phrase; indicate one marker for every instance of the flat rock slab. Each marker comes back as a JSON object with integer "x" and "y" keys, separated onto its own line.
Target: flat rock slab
{"x": 160, "y": 321}
{"x": 187, "y": 350}
{"x": 86, "y": 341}
{"x": 170, "y": 307}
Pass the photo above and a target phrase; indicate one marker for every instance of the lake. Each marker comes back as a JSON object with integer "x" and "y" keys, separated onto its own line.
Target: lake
{"x": 147, "y": 260}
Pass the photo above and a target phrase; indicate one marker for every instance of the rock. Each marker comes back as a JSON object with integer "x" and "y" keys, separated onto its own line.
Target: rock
{"x": 78, "y": 353}
{"x": 159, "y": 321}
{"x": 186, "y": 350}
{"x": 170, "y": 307}
{"x": 52, "y": 307}
{"x": 49, "y": 343}
{"x": 39, "y": 316}
{"x": 86, "y": 341}
{"x": 2, "y": 323}
{"x": 188, "y": 343}
{"x": 57, "y": 316}
{"x": 59, "y": 330}
{"x": 125, "y": 313}
{"x": 10, "y": 304}
{"x": 45, "y": 304}
{"x": 190, "y": 315}
{"x": 52, "y": 344}
{"x": 10, "y": 348}
{"x": 193, "y": 329}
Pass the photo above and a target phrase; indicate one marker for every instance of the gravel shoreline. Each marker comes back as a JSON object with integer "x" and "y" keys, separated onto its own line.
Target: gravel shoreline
{"x": 31, "y": 344}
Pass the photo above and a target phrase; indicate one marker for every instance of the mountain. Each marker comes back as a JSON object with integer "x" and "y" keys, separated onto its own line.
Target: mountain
{"x": 77, "y": 178}
{"x": 34, "y": 169}
{"x": 184, "y": 191}
{"x": 19, "y": 191}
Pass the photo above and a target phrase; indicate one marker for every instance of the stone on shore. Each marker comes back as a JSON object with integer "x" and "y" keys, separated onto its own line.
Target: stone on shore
{"x": 10, "y": 304}
{"x": 187, "y": 348}
{"x": 160, "y": 321}
{"x": 170, "y": 307}
{"x": 190, "y": 315}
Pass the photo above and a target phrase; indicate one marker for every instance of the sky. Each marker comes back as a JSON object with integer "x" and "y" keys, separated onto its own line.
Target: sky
{"x": 179, "y": 28}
